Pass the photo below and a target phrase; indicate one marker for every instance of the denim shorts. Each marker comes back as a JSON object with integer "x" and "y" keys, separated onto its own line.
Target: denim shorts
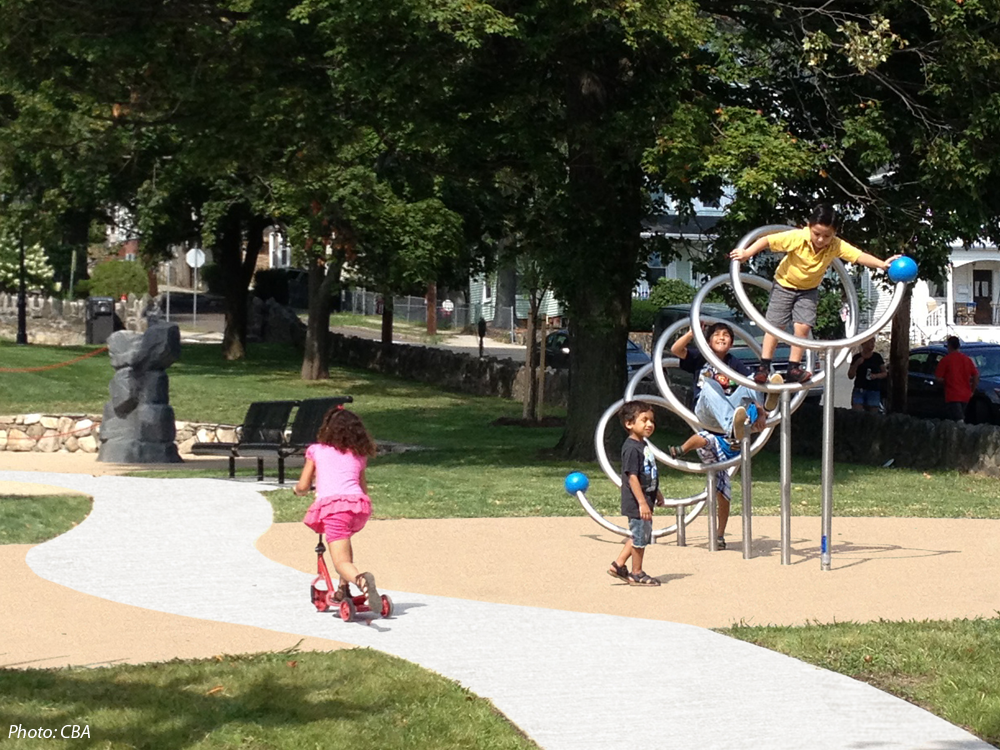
{"x": 871, "y": 399}
{"x": 642, "y": 532}
{"x": 792, "y": 306}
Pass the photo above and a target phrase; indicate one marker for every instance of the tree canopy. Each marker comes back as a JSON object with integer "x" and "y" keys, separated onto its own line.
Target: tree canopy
{"x": 411, "y": 138}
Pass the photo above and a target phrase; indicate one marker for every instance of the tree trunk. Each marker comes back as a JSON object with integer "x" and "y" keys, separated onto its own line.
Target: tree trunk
{"x": 530, "y": 411}
{"x": 541, "y": 365}
{"x": 388, "y": 311}
{"x": 237, "y": 269}
{"x": 899, "y": 355}
{"x": 605, "y": 190}
{"x": 316, "y": 358}
{"x": 432, "y": 303}
{"x": 154, "y": 285}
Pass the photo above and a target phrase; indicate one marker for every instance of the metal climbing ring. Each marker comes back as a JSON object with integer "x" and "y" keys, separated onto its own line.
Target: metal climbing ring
{"x": 706, "y": 349}
{"x": 696, "y": 501}
{"x": 661, "y": 380}
{"x": 828, "y": 344}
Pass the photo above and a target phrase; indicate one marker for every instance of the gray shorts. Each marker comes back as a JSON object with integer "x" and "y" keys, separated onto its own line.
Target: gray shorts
{"x": 792, "y": 306}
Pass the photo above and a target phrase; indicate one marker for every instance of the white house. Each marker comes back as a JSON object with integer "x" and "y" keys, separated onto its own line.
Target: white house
{"x": 967, "y": 305}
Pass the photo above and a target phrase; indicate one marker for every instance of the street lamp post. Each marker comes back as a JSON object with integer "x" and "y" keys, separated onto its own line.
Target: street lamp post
{"x": 22, "y": 301}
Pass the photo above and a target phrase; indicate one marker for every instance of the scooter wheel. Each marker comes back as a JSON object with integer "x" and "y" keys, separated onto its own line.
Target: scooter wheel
{"x": 386, "y": 606}
{"x": 347, "y": 610}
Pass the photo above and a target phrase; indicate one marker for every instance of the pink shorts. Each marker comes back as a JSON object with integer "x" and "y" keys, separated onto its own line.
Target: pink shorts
{"x": 344, "y": 524}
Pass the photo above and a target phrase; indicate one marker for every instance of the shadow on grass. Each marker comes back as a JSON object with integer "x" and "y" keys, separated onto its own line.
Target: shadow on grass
{"x": 172, "y": 705}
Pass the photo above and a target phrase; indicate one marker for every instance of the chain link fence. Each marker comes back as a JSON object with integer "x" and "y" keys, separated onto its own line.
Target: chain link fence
{"x": 409, "y": 309}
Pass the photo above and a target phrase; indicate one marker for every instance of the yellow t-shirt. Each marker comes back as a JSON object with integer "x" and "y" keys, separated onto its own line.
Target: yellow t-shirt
{"x": 802, "y": 267}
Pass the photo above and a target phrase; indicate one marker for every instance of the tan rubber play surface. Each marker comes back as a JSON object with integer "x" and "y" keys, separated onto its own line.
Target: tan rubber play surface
{"x": 883, "y": 568}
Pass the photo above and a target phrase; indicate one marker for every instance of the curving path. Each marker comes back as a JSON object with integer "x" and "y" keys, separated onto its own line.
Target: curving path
{"x": 186, "y": 546}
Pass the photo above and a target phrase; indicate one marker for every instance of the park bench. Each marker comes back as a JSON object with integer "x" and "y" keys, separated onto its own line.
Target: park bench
{"x": 305, "y": 425}
{"x": 265, "y": 423}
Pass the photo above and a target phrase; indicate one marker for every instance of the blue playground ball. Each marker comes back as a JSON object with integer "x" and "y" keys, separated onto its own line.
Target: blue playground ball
{"x": 902, "y": 269}
{"x": 576, "y": 482}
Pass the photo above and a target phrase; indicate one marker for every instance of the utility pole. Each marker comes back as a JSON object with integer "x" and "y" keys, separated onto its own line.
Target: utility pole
{"x": 22, "y": 300}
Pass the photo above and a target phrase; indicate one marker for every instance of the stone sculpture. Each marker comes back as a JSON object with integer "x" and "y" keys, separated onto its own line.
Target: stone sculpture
{"x": 138, "y": 425}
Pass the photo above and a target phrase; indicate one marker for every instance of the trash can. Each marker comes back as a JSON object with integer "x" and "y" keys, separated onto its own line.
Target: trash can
{"x": 100, "y": 319}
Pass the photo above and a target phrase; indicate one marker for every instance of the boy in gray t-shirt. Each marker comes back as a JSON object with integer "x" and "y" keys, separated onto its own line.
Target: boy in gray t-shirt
{"x": 640, "y": 492}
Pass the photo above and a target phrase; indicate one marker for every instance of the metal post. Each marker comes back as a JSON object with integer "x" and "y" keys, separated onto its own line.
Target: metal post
{"x": 72, "y": 274}
{"x": 786, "y": 477}
{"x": 746, "y": 502}
{"x": 681, "y": 529}
{"x": 194, "y": 323}
{"x": 22, "y": 301}
{"x": 713, "y": 512}
{"x": 824, "y": 552}
{"x": 169, "y": 264}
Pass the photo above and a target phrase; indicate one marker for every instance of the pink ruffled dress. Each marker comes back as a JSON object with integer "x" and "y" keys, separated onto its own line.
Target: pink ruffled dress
{"x": 338, "y": 486}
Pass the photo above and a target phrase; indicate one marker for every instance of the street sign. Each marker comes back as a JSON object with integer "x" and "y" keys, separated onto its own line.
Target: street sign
{"x": 195, "y": 257}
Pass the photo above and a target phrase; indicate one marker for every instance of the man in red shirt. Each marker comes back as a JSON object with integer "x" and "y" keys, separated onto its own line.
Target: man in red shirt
{"x": 960, "y": 378}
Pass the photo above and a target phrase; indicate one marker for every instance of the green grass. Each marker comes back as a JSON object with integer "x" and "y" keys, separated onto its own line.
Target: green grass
{"x": 31, "y": 519}
{"x": 277, "y": 701}
{"x": 472, "y": 468}
{"x": 401, "y": 329}
{"x": 951, "y": 668}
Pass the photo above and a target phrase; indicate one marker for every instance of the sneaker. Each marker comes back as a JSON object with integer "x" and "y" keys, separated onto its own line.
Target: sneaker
{"x": 760, "y": 377}
{"x": 720, "y": 543}
{"x": 739, "y": 424}
{"x": 772, "y": 399}
{"x": 797, "y": 375}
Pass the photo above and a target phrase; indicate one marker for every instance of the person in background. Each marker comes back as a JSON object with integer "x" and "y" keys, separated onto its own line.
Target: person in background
{"x": 960, "y": 377}
{"x": 868, "y": 372}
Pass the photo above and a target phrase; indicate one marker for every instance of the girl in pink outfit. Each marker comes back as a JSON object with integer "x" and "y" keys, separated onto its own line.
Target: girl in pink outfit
{"x": 337, "y": 462}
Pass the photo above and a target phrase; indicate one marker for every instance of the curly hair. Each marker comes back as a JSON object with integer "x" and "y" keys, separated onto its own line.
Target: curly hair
{"x": 345, "y": 431}
{"x": 631, "y": 410}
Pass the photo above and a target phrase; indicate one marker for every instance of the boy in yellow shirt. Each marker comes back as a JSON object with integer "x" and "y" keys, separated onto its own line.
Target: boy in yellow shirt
{"x": 808, "y": 253}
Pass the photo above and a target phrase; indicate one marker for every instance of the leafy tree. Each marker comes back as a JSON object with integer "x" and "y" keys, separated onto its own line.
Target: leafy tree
{"x": 116, "y": 278}
{"x": 38, "y": 272}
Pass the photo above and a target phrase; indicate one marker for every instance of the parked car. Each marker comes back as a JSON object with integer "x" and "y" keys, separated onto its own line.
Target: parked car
{"x": 669, "y": 315}
{"x": 557, "y": 351}
{"x": 925, "y": 392}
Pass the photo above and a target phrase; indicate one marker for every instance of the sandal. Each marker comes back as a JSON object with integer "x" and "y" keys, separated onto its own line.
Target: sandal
{"x": 676, "y": 451}
{"x": 366, "y": 582}
{"x": 643, "y": 579}
{"x": 342, "y": 592}
{"x": 618, "y": 571}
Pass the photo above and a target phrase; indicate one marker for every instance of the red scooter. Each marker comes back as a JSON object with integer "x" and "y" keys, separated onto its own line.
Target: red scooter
{"x": 350, "y": 606}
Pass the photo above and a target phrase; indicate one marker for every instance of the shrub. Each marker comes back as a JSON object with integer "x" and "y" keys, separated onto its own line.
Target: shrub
{"x": 115, "y": 278}
{"x": 676, "y": 292}
{"x": 671, "y": 292}
{"x": 37, "y": 271}
{"x": 643, "y": 315}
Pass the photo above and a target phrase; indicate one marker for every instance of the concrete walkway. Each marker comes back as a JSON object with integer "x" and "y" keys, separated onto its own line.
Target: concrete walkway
{"x": 187, "y": 546}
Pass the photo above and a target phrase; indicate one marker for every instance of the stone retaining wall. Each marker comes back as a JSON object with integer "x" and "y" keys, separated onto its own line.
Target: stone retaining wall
{"x": 454, "y": 371}
{"x": 860, "y": 437}
{"x": 53, "y": 433}
{"x": 874, "y": 439}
